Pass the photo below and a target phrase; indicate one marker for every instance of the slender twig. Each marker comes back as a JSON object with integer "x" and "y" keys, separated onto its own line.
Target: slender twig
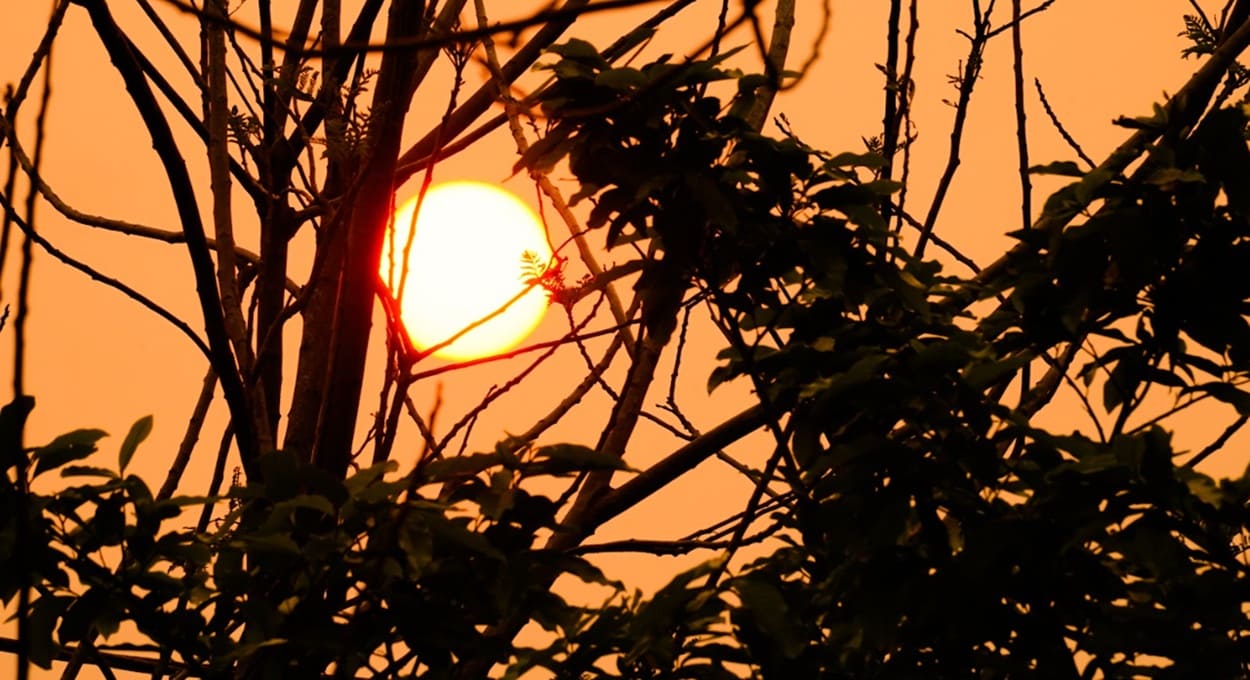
{"x": 6, "y": 225}
{"x": 893, "y": 90}
{"x": 1206, "y": 22}
{"x": 215, "y": 482}
{"x": 586, "y": 358}
{"x": 566, "y": 13}
{"x": 671, "y": 398}
{"x": 190, "y": 437}
{"x": 427, "y": 425}
{"x": 671, "y": 548}
{"x": 1022, "y": 149}
{"x": 172, "y": 41}
{"x": 122, "y": 662}
{"x": 1219, "y": 442}
{"x": 908, "y": 83}
{"x": 1063, "y": 132}
{"x": 1024, "y": 15}
{"x": 17, "y": 95}
{"x": 536, "y": 347}
{"x": 24, "y": 580}
{"x": 222, "y": 357}
{"x": 98, "y": 222}
{"x": 966, "y": 82}
{"x": 1182, "y": 111}
{"x": 1022, "y": 133}
{"x": 513, "y": 382}
{"x": 216, "y": 115}
{"x": 1177, "y": 408}
{"x": 575, "y": 396}
{"x": 419, "y": 154}
{"x": 938, "y": 241}
{"x": 104, "y": 279}
{"x": 738, "y": 538}
{"x": 511, "y": 109}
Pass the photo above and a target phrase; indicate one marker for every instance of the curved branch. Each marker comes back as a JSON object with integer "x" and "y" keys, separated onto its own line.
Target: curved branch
{"x": 108, "y": 224}
{"x": 568, "y": 13}
{"x": 102, "y": 278}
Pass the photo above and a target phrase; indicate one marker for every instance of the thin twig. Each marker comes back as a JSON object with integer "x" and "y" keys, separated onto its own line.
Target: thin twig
{"x": 24, "y": 580}
{"x": 1063, "y": 132}
{"x": 216, "y": 116}
{"x": 195, "y": 423}
{"x": 569, "y": 12}
{"x": 107, "y": 224}
{"x": 1022, "y": 149}
{"x": 1219, "y": 442}
{"x": 419, "y": 154}
{"x": 215, "y": 482}
{"x": 513, "y": 382}
{"x": 511, "y": 109}
{"x": 893, "y": 90}
{"x": 106, "y": 280}
{"x": 222, "y": 357}
{"x": 966, "y": 81}
{"x": 1024, "y": 15}
{"x": 908, "y": 83}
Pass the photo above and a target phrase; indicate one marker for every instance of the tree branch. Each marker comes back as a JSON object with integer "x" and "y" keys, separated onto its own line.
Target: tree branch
{"x": 179, "y": 180}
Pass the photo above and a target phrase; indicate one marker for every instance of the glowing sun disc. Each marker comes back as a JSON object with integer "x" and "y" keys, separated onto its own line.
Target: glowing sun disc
{"x": 464, "y": 264}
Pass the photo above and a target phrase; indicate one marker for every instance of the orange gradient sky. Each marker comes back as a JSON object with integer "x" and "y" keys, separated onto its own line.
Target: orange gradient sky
{"x": 96, "y": 359}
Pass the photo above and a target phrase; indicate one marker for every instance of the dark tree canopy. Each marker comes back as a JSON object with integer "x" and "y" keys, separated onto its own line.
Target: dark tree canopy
{"x": 908, "y": 516}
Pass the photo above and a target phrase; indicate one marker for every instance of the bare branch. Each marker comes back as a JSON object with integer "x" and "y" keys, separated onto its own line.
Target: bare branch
{"x": 1054, "y": 119}
{"x": 195, "y": 423}
{"x": 106, "y": 280}
{"x": 222, "y": 357}
{"x": 567, "y": 13}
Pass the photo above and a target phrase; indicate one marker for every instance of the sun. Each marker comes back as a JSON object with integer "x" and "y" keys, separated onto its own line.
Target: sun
{"x": 464, "y": 264}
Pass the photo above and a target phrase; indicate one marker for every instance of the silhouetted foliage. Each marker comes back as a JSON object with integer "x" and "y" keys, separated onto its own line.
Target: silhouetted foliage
{"x": 910, "y": 520}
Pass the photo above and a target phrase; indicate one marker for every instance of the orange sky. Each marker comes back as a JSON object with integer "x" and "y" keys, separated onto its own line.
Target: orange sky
{"x": 98, "y": 360}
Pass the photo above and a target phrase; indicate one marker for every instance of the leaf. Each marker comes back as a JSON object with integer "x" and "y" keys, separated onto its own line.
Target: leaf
{"x": 320, "y": 504}
{"x": 44, "y": 614}
{"x": 576, "y": 48}
{"x": 88, "y": 471}
{"x": 621, "y": 79}
{"x": 771, "y": 614}
{"x": 1168, "y": 178}
{"x": 585, "y": 571}
{"x": 12, "y": 418}
{"x": 1205, "y": 489}
{"x": 564, "y": 458}
{"x": 1121, "y": 386}
{"x": 274, "y": 543}
{"x": 1229, "y": 394}
{"x": 1091, "y": 186}
{"x": 455, "y": 532}
{"x": 861, "y": 160}
{"x": 460, "y": 466}
{"x": 66, "y": 448}
{"x": 1064, "y": 168}
{"x": 138, "y": 432}
{"x": 983, "y": 374}
{"x": 367, "y": 476}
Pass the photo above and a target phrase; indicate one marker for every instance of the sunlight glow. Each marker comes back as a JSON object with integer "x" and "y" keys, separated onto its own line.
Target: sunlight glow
{"x": 465, "y": 263}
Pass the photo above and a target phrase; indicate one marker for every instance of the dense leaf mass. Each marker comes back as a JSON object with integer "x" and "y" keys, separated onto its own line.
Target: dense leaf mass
{"x": 922, "y": 524}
